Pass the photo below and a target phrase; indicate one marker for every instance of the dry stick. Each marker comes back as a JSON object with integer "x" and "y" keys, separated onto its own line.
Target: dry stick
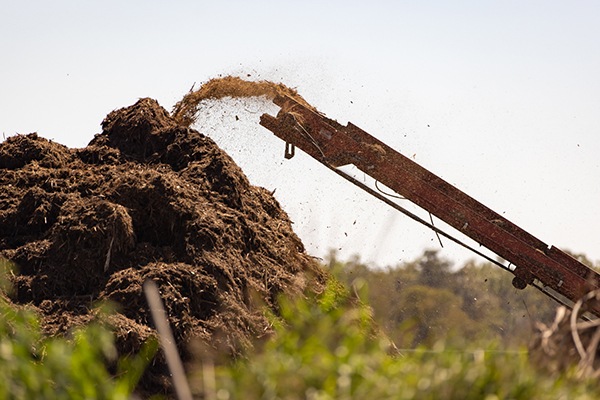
{"x": 574, "y": 316}
{"x": 588, "y": 362}
{"x": 588, "y": 324}
{"x": 107, "y": 262}
{"x": 167, "y": 341}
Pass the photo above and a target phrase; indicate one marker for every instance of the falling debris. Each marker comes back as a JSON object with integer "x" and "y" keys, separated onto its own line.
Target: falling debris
{"x": 186, "y": 110}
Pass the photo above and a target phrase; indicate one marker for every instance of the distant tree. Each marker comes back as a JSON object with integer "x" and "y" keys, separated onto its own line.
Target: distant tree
{"x": 421, "y": 301}
{"x": 434, "y": 272}
{"x": 508, "y": 313}
{"x": 436, "y": 314}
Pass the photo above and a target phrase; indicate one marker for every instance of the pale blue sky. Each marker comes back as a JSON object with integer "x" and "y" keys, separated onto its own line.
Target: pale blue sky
{"x": 500, "y": 98}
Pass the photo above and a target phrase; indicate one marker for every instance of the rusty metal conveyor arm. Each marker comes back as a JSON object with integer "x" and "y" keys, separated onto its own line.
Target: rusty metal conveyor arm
{"x": 335, "y": 145}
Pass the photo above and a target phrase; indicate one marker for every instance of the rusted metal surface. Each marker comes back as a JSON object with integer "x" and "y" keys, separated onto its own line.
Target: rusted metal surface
{"x": 335, "y": 145}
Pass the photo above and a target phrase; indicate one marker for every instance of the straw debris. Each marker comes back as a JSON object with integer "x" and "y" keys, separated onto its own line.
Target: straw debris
{"x": 185, "y": 112}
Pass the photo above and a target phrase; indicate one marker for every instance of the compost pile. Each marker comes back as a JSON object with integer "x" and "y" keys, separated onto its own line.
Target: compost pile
{"x": 148, "y": 198}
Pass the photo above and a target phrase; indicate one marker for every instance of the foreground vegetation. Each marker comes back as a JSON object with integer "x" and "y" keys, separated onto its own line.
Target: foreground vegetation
{"x": 81, "y": 366}
{"x": 325, "y": 346}
{"x": 328, "y": 347}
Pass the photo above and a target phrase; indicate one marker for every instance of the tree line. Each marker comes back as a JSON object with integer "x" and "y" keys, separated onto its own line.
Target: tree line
{"x": 420, "y": 302}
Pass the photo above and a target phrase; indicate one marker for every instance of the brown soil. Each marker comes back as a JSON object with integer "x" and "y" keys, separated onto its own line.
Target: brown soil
{"x": 148, "y": 198}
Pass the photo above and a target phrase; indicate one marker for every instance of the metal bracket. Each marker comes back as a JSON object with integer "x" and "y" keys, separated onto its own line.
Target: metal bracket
{"x": 290, "y": 150}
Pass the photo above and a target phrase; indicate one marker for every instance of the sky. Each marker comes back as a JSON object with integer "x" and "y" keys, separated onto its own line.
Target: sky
{"x": 501, "y": 99}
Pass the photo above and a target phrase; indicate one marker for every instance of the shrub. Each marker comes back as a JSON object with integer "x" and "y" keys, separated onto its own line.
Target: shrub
{"x": 33, "y": 366}
{"x": 327, "y": 347}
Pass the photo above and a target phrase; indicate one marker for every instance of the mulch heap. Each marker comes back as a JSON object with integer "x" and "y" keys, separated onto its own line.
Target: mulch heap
{"x": 148, "y": 198}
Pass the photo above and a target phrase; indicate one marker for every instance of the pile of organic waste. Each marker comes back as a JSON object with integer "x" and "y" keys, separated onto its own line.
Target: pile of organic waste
{"x": 148, "y": 198}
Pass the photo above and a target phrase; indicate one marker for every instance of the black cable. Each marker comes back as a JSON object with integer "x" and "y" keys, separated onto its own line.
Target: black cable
{"x": 389, "y": 194}
{"x": 411, "y": 215}
{"x": 436, "y": 234}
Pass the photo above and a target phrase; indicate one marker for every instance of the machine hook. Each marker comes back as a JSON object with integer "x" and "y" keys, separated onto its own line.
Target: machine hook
{"x": 290, "y": 150}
